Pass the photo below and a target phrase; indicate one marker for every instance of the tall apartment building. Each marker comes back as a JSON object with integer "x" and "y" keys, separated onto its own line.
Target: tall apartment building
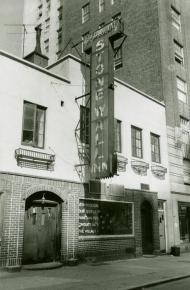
{"x": 48, "y": 15}
{"x": 154, "y": 59}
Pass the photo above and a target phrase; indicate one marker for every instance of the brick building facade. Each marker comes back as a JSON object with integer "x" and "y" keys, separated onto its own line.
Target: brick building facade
{"x": 48, "y": 212}
{"x": 16, "y": 189}
{"x": 154, "y": 59}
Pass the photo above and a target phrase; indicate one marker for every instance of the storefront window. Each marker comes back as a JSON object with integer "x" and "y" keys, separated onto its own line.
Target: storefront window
{"x": 105, "y": 218}
{"x": 184, "y": 221}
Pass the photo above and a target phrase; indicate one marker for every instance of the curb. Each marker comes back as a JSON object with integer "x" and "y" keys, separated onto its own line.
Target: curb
{"x": 157, "y": 282}
{"x": 42, "y": 266}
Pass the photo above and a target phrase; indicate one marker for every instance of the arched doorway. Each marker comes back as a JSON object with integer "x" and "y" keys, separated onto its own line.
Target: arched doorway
{"x": 147, "y": 228}
{"x": 42, "y": 228}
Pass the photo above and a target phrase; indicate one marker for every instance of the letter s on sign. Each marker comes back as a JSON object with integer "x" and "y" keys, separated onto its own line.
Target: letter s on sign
{"x": 99, "y": 44}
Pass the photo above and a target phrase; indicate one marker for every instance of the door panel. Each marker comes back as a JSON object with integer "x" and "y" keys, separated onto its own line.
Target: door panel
{"x": 42, "y": 234}
{"x": 146, "y": 228}
{"x": 162, "y": 231}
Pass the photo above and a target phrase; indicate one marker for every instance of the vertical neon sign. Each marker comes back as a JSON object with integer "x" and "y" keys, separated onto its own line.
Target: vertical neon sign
{"x": 102, "y": 100}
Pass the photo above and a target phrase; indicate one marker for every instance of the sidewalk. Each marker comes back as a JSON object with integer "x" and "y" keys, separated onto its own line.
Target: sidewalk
{"x": 111, "y": 275}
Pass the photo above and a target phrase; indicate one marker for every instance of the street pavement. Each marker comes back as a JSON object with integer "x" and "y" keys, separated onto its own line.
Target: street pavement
{"x": 177, "y": 285}
{"x": 113, "y": 275}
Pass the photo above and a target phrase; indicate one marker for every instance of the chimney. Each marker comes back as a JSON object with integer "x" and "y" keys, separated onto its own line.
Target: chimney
{"x": 38, "y": 39}
{"x": 36, "y": 56}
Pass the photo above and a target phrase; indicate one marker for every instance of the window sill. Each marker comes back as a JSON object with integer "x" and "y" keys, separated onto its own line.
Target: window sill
{"x": 105, "y": 237}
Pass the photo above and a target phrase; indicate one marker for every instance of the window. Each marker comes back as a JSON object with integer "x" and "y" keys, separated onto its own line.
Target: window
{"x": 59, "y": 39}
{"x": 176, "y": 21}
{"x": 46, "y": 45}
{"x": 181, "y": 90}
{"x": 118, "y": 60}
{"x": 117, "y": 132}
{"x": 60, "y": 14}
{"x": 184, "y": 221}
{"x": 84, "y": 124}
{"x": 155, "y": 148}
{"x": 101, "y": 5}
{"x": 48, "y": 4}
{"x": 136, "y": 134}
{"x": 1, "y": 215}
{"x": 178, "y": 49}
{"x": 33, "y": 125}
{"x": 106, "y": 218}
{"x": 185, "y": 130}
{"x": 85, "y": 13}
{"x": 48, "y": 7}
{"x": 40, "y": 7}
{"x": 186, "y": 171}
{"x": 47, "y": 24}
{"x": 84, "y": 36}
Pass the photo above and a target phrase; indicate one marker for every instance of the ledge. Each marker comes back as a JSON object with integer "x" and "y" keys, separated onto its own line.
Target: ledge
{"x": 159, "y": 170}
{"x": 122, "y": 161}
{"x": 34, "y": 159}
{"x": 139, "y": 166}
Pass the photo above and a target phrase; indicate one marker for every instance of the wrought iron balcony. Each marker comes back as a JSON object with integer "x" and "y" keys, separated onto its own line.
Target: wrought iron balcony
{"x": 34, "y": 159}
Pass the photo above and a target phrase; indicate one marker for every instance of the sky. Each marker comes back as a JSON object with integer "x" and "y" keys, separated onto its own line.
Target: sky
{"x": 11, "y": 12}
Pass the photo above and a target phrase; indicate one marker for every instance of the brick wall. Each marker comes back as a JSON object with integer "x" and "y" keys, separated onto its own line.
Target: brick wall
{"x": 16, "y": 189}
{"x": 121, "y": 246}
{"x": 141, "y": 50}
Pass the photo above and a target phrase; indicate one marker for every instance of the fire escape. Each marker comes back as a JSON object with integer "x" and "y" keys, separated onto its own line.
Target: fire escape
{"x": 82, "y": 135}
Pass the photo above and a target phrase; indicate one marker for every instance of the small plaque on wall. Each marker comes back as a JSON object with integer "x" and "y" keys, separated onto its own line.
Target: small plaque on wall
{"x": 145, "y": 186}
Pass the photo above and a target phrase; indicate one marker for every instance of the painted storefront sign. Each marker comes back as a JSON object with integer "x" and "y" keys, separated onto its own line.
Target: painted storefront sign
{"x": 105, "y": 218}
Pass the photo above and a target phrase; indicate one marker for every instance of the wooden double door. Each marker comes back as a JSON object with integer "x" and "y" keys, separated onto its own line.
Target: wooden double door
{"x": 42, "y": 231}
